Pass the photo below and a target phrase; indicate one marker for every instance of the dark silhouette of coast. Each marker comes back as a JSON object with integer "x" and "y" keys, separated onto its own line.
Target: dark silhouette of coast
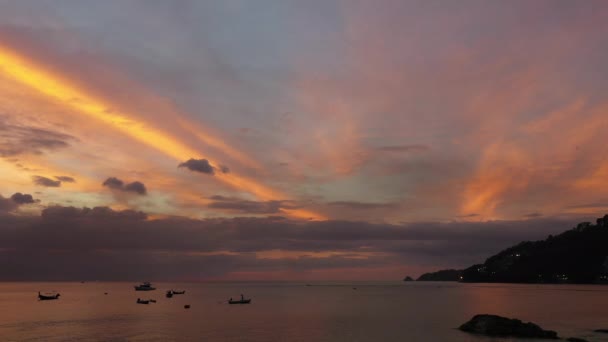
{"x": 576, "y": 256}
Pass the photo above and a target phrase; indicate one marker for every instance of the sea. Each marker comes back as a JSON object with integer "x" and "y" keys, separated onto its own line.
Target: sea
{"x": 293, "y": 311}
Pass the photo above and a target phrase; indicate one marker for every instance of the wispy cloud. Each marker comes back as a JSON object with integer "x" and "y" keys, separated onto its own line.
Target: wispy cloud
{"x": 46, "y": 182}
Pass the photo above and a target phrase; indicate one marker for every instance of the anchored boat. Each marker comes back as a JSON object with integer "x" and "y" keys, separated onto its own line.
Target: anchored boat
{"x": 141, "y": 301}
{"x": 144, "y": 287}
{"x": 48, "y": 296}
{"x": 241, "y": 301}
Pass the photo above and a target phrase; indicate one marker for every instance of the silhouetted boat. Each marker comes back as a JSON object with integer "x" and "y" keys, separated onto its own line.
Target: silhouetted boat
{"x": 152, "y": 300}
{"x": 186, "y": 306}
{"x": 141, "y": 301}
{"x": 242, "y": 301}
{"x": 144, "y": 287}
{"x": 48, "y": 297}
{"x": 178, "y": 292}
{"x": 169, "y": 294}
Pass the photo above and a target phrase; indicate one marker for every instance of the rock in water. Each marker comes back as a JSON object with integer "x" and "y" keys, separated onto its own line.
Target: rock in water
{"x": 493, "y": 325}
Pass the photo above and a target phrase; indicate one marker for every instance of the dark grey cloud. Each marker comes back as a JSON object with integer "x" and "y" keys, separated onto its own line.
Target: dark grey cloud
{"x": 248, "y": 206}
{"x": 180, "y": 247}
{"x": 198, "y": 165}
{"x": 20, "y": 198}
{"x": 65, "y": 179}
{"x": 12, "y": 203}
{"x": 113, "y": 183}
{"x": 96, "y": 213}
{"x": 18, "y": 139}
{"x": 43, "y": 181}
{"x": 136, "y": 187}
{"x": 133, "y": 187}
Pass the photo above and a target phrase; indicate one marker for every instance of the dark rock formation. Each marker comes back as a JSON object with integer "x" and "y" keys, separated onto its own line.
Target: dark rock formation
{"x": 492, "y": 325}
{"x": 576, "y": 339}
{"x": 443, "y": 275}
{"x": 408, "y": 278}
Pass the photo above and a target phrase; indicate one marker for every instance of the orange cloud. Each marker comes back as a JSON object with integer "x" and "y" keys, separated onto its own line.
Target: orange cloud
{"x": 62, "y": 91}
{"x": 502, "y": 168}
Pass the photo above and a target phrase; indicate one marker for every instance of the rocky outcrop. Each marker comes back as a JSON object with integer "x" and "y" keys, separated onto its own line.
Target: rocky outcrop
{"x": 443, "y": 275}
{"x": 493, "y": 325}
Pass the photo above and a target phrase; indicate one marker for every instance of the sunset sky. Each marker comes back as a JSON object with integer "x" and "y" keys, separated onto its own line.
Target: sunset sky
{"x": 294, "y": 139}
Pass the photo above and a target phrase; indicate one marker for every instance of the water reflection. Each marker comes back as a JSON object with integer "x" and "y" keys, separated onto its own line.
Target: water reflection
{"x": 292, "y": 311}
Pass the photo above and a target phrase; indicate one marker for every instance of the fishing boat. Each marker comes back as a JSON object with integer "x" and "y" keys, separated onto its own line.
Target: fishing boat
{"x": 48, "y": 296}
{"x": 141, "y": 301}
{"x": 241, "y": 301}
{"x": 178, "y": 292}
{"x": 169, "y": 294}
{"x": 144, "y": 287}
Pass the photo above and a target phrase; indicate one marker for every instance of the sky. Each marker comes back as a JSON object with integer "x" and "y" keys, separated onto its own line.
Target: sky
{"x": 294, "y": 140}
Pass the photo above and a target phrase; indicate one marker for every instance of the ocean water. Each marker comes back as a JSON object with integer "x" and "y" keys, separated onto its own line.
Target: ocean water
{"x": 326, "y": 311}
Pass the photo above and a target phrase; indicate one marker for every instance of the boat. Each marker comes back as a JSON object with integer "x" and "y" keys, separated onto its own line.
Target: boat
{"x": 241, "y": 301}
{"x": 178, "y": 292}
{"x": 141, "y": 301}
{"x": 152, "y": 300}
{"x": 187, "y": 306}
{"x": 144, "y": 287}
{"x": 169, "y": 294}
{"x": 48, "y": 296}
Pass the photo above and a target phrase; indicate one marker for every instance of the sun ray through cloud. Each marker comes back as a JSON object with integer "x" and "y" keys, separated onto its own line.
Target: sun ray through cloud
{"x": 34, "y": 76}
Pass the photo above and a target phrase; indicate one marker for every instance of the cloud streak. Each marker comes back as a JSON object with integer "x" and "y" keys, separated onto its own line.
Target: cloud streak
{"x": 46, "y": 182}
{"x": 18, "y": 139}
{"x": 30, "y": 74}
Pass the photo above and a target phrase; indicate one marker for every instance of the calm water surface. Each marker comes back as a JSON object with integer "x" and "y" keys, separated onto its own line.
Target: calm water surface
{"x": 292, "y": 312}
